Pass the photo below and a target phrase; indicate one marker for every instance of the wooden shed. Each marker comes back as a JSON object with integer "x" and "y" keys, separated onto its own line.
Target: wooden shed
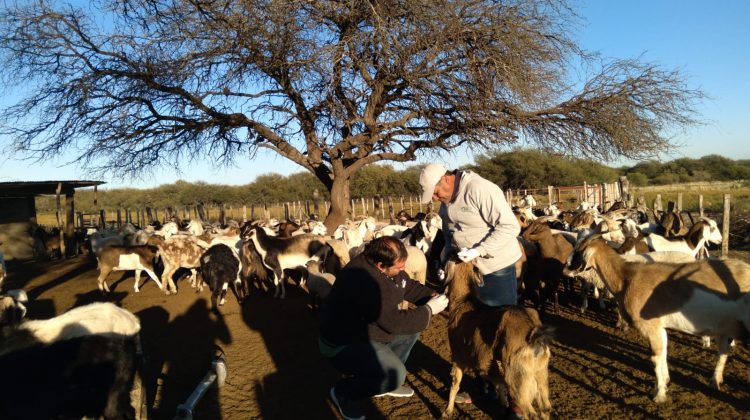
{"x": 18, "y": 213}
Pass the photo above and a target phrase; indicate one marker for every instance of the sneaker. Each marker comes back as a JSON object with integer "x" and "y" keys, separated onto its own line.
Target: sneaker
{"x": 403, "y": 391}
{"x": 349, "y": 410}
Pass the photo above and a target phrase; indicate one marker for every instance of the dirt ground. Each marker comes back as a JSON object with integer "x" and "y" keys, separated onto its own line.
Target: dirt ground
{"x": 276, "y": 372}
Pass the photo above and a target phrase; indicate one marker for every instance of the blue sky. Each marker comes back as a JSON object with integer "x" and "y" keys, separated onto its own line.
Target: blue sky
{"x": 708, "y": 41}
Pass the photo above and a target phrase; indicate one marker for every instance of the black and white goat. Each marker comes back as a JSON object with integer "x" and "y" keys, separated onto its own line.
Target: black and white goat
{"x": 279, "y": 254}
{"x": 79, "y": 364}
{"x": 220, "y": 265}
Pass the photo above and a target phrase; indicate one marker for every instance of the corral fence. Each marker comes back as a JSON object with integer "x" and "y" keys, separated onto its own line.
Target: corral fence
{"x": 602, "y": 195}
{"x": 378, "y": 207}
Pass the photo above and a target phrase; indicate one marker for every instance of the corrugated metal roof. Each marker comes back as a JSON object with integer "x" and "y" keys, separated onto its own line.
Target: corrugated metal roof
{"x": 26, "y": 188}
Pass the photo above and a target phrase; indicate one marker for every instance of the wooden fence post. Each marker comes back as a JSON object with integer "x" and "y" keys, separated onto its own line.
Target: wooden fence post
{"x": 700, "y": 205}
{"x": 376, "y": 205}
{"x": 222, "y": 214}
{"x": 549, "y": 194}
{"x": 202, "y": 216}
{"x": 725, "y": 226}
{"x": 657, "y": 205}
{"x": 679, "y": 202}
{"x": 316, "y": 197}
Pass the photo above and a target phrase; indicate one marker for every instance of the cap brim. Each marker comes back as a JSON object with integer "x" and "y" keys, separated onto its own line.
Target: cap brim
{"x": 427, "y": 197}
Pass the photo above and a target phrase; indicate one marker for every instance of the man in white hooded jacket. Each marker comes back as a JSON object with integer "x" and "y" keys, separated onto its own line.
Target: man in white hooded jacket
{"x": 478, "y": 222}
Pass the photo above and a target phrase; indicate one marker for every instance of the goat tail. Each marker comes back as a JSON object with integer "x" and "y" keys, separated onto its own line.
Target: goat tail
{"x": 541, "y": 338}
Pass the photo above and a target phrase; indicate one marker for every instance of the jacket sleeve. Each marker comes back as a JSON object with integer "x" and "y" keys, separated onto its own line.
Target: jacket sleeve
{"x": 395, "y": 321}
{"x": 415, "y": 292}
{"x": 495, "y": 211}
{"x": 410, "y": 321}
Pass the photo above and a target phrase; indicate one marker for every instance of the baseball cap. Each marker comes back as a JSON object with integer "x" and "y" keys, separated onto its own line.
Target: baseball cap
{"x": 429, "y": 178}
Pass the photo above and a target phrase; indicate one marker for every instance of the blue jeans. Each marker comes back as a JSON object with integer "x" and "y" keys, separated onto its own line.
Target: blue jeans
{"x": 371, "y": 367}
{"x": 500, "y": 288}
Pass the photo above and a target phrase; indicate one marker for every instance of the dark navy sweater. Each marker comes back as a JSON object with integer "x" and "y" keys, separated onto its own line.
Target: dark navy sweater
{"x": 364, "y": 305}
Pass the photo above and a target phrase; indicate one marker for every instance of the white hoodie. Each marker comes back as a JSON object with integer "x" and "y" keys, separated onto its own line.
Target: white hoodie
{"x": 480, "y": 217}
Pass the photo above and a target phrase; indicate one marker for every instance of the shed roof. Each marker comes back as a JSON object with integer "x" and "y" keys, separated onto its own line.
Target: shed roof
{"x": 33, "y": 188}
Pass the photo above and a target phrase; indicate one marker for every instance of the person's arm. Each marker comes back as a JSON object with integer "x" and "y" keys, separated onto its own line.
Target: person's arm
{"x": 414, "y": 291}
{"x": 495, "y": 211}
{"x": 399, "y": 322}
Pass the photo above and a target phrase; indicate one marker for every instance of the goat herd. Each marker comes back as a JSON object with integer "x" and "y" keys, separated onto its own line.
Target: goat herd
{"x": 658, "y": 276}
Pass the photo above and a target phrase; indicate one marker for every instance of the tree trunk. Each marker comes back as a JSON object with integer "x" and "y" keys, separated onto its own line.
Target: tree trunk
{"x": 339, "y": 210}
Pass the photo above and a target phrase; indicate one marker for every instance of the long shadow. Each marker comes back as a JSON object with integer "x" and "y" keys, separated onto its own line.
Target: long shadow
{"x": 592, "y": 346}
{"x": 81, "y": 266}
{"x": 20, "y": 273}
{"x": 290, "y": 334}
{"x": 168, "y": 371}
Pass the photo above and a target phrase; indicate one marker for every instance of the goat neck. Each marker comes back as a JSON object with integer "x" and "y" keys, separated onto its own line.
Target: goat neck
{"x": 594, "y": 252}
{"x": 459, "y": 277}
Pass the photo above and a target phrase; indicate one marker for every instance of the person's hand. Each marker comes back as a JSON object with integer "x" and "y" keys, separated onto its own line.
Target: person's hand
{"x": 437, "y": 304}
{"x": 467, "y": 255}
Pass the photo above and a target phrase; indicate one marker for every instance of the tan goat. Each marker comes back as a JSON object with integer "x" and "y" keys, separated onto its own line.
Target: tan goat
{"x": 708, "y": 297}
{"x": 508, "y": 345}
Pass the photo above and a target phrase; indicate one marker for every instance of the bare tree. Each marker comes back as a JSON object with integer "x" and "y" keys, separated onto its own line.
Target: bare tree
{"x": 331, "y": 85}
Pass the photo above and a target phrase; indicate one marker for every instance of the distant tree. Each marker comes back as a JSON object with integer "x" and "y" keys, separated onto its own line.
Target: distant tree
{"x": 332, "y": 86}
{"x": 650, "y": 168}
{"x": 534, "y": 169}
{"x": 637, "y": 179}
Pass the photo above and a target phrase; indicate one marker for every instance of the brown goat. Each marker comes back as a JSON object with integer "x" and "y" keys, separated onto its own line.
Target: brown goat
{"x": 508, "y": 345}
{"x": 124, "y": 258}
{"x": 708, "y": 297}
{"x": 546, "y": 268}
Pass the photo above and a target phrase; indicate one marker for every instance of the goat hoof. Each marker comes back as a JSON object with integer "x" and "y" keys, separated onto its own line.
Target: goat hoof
{"x": 447, "y": 415}
{"x": 661, "y": 398}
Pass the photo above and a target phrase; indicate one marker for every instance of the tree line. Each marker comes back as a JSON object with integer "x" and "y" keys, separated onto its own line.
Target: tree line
{"x": 519, "y": 169}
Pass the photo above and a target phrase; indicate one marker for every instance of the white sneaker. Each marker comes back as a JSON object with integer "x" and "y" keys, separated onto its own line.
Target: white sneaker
{"x": 401, "y": 392}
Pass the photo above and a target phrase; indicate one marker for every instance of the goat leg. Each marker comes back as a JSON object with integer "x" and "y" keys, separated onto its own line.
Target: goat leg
{"x": 223, "y": 294}
{"x": 456, "y": 375}
{"x": 102, "y": 280}
{"x": 657, "y": 338}
{"x": 136, "y": 285}
{"x": 722, "y": 343}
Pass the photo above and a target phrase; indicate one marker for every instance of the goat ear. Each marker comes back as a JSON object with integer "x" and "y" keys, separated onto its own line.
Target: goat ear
{"x": 478, "y": 277}
{"x": 450, "y": 269}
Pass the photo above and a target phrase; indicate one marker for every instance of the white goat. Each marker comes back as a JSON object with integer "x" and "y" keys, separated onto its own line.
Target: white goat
{"x": 703, "y": 232}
